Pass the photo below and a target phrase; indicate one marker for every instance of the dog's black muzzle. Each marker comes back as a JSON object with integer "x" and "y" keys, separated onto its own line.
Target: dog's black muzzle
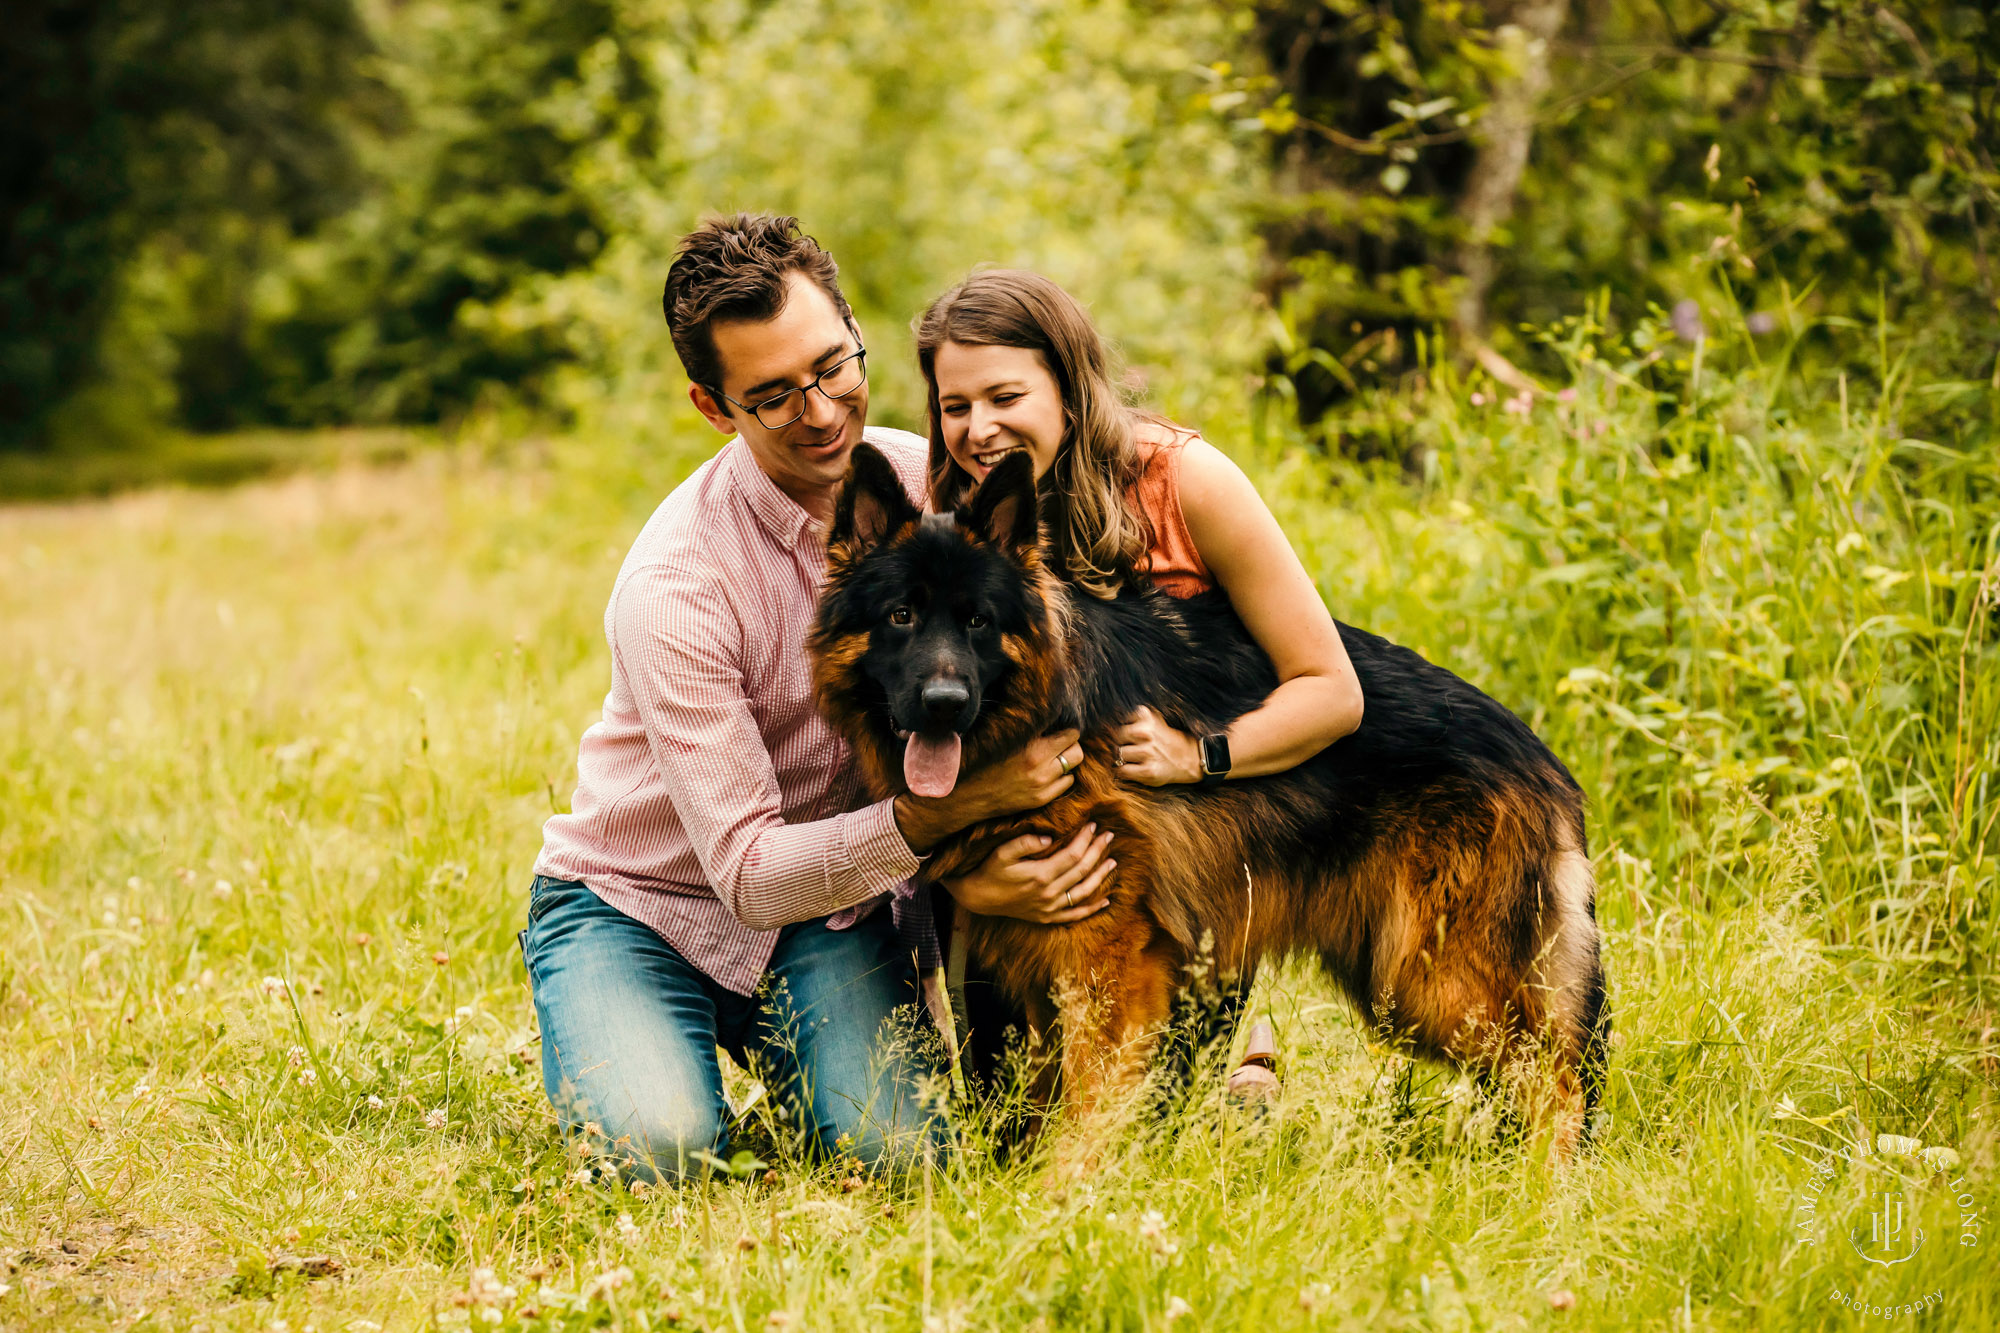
{"x": 944, "y": 703}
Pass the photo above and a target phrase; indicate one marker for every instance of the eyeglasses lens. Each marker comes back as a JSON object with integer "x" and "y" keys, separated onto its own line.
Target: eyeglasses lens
{"x": 789, "y": 406}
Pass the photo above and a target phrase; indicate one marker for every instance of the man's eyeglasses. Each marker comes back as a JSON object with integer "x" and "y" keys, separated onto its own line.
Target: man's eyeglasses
{"x": 836, "y": 381}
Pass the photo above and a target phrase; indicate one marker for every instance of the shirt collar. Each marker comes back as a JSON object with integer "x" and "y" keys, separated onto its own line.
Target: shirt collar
{"x": 782, "y": 516}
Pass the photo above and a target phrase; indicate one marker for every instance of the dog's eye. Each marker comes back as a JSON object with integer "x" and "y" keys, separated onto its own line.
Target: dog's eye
{"x": 901, "y": 616}
{"x": 977, "y": 621}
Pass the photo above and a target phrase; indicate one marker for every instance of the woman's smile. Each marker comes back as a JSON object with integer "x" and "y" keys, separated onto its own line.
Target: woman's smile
{"x": 986, "y": 460}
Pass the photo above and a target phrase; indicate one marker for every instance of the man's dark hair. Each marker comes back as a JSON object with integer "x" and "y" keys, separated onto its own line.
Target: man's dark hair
{"x": 735, "y": 268}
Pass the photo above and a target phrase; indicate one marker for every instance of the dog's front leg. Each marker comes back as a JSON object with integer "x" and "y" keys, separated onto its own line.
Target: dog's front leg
{"x": 1113, "y": 1010}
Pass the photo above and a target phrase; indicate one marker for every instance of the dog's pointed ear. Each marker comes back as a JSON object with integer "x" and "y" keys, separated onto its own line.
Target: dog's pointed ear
{"x": 872, "y": 504}
{"x": 1002, "y": 510}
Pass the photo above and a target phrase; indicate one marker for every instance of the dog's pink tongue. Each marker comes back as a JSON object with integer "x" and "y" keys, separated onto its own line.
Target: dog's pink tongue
{"x": 931, "y": 767}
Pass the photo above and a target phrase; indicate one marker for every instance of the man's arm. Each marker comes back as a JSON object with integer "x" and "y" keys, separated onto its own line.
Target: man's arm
{"x": 679, "y": 644}
{"x": 680, "y": 647}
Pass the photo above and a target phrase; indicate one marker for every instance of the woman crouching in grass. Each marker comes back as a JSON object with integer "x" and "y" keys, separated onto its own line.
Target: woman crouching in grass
{"x": 1013, "y": 363}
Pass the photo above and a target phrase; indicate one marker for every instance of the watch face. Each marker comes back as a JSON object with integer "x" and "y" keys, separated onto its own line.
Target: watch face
{"x": 1215, "y": 754}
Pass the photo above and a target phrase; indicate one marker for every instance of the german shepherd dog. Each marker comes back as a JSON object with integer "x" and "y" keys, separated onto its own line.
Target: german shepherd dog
{"x": 1433, "y": 860}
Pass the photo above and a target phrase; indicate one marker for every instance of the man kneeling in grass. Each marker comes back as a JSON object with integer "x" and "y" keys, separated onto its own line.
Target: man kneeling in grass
{"x": 718, "y": 881}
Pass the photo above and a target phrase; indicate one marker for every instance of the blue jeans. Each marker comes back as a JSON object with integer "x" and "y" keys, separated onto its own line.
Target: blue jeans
{"x": 630, "y": 1030}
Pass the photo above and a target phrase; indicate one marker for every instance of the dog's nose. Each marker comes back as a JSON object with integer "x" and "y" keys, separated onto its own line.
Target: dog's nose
{"x": 945, "y": 697}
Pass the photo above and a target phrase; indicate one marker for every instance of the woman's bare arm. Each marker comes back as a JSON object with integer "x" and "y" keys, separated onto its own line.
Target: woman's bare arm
{"x": 1318, "y": 699}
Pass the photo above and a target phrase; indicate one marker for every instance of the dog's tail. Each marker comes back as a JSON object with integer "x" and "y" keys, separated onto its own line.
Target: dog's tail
{"x": 1595, "y": 1015}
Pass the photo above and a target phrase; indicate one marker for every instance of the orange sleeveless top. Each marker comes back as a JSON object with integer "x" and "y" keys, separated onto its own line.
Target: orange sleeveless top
{"x": 1174, "y": 564}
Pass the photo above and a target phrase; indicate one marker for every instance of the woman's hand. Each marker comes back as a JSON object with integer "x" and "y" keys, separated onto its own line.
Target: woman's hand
{"x": 1023, "y": 879}
{"x": 1154, "y": 754}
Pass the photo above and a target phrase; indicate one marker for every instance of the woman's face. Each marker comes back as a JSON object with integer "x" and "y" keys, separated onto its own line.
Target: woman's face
{"x": 994, "y": 400}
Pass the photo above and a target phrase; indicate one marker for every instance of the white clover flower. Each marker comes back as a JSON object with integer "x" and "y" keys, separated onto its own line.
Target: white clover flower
{"x": 605, "y": 1282}
{"x": 308, "y": 1077}
{"x": 583, "y": 1175}
{"x": 435, "y": 1118}
{"x": 627, "y": 1228}
{"x": 275, "y": 986}
{"x": 223, "y": 888}
{"x": 296, "y": 1056}
{"x": 1153, "y": 1230}
{"x": 374, "y": 1102}
{"x": 1176, "y": 1307}
{"x": 484, "y": 1286}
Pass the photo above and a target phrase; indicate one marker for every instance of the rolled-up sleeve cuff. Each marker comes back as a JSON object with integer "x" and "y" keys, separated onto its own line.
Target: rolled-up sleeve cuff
{"x": 877, "y": 849}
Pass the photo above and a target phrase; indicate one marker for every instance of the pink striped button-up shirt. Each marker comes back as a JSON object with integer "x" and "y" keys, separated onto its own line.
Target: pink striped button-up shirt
{"x": 712, "y": 802}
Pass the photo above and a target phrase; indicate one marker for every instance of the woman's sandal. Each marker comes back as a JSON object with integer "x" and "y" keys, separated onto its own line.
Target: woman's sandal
{"x": 1256, "y": 1078}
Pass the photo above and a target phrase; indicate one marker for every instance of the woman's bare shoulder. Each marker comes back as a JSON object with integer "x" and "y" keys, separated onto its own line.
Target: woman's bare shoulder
{"x": 1210, "y": 479}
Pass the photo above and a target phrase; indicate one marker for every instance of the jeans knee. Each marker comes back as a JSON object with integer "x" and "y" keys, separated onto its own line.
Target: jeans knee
{"x": 896, "y": 1147}
{"x": 661, "y": 1146}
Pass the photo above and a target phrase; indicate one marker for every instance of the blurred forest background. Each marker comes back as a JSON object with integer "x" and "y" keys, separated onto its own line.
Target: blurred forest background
{"x": 246, "y": 214}
{"x": 1633, "y": 358}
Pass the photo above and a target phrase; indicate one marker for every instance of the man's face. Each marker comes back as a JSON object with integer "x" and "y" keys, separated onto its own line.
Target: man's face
{"x": 760, "y": 359}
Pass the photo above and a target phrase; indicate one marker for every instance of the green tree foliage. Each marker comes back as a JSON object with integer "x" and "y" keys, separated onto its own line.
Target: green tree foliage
{"x": 1838, "y": 152}
{"x": 124, "y": 121}
{"x": 317, "y": 214}
{"x": 917, "y": 142}
{"x": 390, "y": 314}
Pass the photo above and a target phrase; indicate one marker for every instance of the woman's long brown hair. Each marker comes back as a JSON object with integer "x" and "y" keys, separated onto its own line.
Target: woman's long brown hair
{"x": 1093, "y": 534}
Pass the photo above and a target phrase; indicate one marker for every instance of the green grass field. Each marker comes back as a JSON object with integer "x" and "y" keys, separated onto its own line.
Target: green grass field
{"x": 275, "y": 761}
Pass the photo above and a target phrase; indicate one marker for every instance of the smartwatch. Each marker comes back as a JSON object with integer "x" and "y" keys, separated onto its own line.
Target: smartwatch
{"x": 1214, "y": 758}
